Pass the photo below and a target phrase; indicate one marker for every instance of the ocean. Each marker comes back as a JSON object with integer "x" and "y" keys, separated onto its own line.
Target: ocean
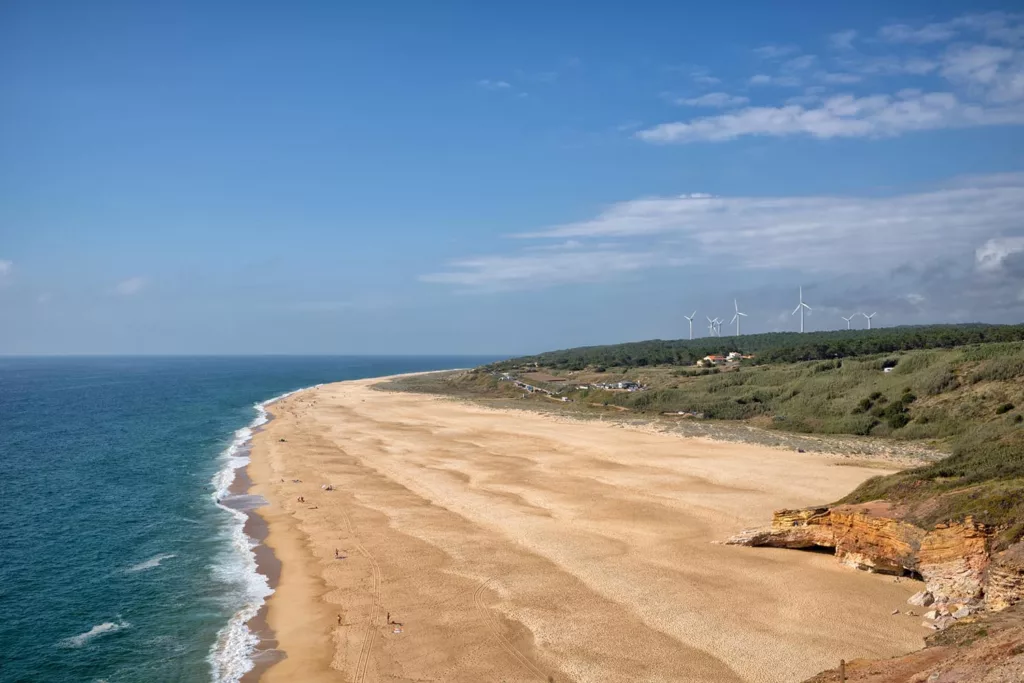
{"x": 117, "y": 562}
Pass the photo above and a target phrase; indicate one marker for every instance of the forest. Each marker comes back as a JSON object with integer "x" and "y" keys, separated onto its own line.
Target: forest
{"x": 773, "y": 347}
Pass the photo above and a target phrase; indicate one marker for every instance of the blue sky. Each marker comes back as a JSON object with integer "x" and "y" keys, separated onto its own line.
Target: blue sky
{"x": 459, "y": 178}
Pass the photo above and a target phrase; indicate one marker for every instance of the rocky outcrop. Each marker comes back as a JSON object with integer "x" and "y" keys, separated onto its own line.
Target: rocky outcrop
{"x": 874, "y": 542}
{"x": 955, "y": 560}
{"x": 1005, "y": 585}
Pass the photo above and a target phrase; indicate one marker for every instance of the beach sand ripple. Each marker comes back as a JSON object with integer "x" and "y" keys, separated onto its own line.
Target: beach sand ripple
{"x": 514, "y": 547}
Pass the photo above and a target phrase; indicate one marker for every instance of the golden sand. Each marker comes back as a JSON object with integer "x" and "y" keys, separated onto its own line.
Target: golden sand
{"x": 513, "y": 546}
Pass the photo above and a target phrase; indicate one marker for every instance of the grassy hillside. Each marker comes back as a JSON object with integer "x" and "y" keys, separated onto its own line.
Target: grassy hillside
{"x": 969, "y": 400}
{"x": 775, "y": 347}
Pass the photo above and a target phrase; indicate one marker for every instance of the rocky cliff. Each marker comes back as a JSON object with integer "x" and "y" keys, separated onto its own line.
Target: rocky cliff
{"x": 957, "y": 562}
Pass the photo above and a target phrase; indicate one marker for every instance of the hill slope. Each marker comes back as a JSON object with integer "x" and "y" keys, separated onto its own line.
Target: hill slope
{"x": 775, "y": 346}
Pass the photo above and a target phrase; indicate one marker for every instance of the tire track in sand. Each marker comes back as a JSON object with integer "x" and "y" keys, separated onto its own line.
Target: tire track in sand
{"x": 495, "y": 626}
{"x": 363, "y": 661}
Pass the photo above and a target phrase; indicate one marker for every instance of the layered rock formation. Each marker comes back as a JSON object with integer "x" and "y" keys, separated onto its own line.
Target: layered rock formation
{"x": 956, "y": 561}
{"x": 1005, "y": 585}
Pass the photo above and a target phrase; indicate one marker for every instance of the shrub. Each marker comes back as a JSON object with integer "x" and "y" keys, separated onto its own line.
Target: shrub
{"x": 898, "y": 420}
{"x": 862, "y": 407}
{"x": 944, "y": 379}
{"x": 1005, "y": 408}
{"x": 1004, "y": 369}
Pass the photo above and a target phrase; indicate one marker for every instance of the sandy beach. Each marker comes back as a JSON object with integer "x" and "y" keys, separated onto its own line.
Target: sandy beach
{"x": 512, "y": 546}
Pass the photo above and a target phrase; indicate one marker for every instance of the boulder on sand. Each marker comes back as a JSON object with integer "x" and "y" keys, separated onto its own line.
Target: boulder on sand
{"x": 921, "y": 599}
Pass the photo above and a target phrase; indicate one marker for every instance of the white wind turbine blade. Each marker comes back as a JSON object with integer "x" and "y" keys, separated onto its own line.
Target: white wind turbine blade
{"x": 741, "y": 314}
{"x": 693, "y": 314}
{"x": 796, "y": 310}
{"x": 734, "y": 318}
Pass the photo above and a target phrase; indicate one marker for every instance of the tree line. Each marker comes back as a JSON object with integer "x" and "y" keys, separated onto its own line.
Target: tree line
{"x": 773, "y": 347}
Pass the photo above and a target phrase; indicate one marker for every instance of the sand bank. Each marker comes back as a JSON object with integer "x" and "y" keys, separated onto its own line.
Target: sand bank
{"x": 515, "y": 547}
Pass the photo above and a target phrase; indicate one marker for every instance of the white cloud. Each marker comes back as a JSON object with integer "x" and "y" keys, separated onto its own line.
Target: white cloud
{"x": 852, "y": 235}
{"x": 488, "y": 84}
{"x": 812, "y": 232}
{"x": 714, "y": 99}
{"x": 840, "y": 116}
{"x": 998, "y": 26}
{"x": 810, "y": 96}
{"x": 538, "y": 269}
{"x": 838, "y": 78}
{"x": 781, "y": 81}
{"x": 930, "y": 33}
{"x": 799, "y": 63}
{"x": 6, "y": 267}
{"x": 776, "y": 51}
{"x": 991, "y": 256}
{"x": 843, "y": 40}
{"x": 132, "y": 285}
{"x": 887, "y": 65}
{"x": 698, "y": 74}
{"x": 991, "y": 72}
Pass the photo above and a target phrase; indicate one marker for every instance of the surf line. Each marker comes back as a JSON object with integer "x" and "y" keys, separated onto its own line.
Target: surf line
{"x": 246, "y": 646}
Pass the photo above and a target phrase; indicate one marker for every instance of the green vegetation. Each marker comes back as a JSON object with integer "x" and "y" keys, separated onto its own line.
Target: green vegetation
{"x": 776, "y": 347}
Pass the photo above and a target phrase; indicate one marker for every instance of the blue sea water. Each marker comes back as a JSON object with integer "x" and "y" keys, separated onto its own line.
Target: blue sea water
{"x": 116, "y": 562}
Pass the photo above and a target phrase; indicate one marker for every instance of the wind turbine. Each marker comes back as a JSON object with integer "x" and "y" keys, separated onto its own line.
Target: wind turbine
{"x": 800, "y": 307}
{"x": 736, "y": 318}
{"x": 847, "y": 320}
{"x": 711, "y": 327}
{"x": 869, "y": 317}
{"x": 718, "y": 325}
{"x": 690, "y": 318}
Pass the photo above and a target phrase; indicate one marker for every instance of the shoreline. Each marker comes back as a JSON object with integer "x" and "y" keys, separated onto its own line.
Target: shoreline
{"x": 454, "y": 521}
{"x": 244, "y": 649}
{"x": 267, "y": 564}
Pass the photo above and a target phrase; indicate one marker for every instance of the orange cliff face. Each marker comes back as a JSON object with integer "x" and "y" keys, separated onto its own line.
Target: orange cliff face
{"x": 956, "y": 561}
{"x": 1005, "y": 584}
{"x": 867, "y": 540}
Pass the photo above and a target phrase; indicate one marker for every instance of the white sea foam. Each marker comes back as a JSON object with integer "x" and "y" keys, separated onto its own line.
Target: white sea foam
{"x": 151, "y": 563}
{"x": 231, "y": 655}
{"x": 95, "y": 632}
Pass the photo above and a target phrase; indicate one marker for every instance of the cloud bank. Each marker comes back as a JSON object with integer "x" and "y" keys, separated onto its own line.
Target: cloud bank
{"x": 812, "y": 234}
{"x": 977, "y": 60}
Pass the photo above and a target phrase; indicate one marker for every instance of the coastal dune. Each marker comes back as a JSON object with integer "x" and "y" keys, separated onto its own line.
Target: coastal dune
{"x": 512, "y": 546}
